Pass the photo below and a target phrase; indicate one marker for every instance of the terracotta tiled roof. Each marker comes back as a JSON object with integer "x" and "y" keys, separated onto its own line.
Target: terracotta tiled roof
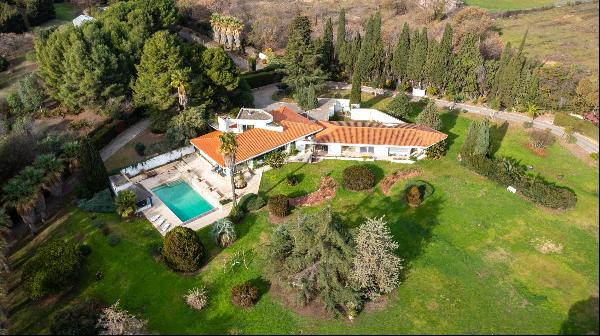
{"x": 256, "y": 141}
{"x": 372, "y": 133}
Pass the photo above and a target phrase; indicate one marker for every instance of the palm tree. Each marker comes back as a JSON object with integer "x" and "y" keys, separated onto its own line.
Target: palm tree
{"x": 34, "y": 177}
{"x": 22, "y": 196}
{"x": 227, "y": 148}
{"x": 70, "y": 153}
{"x": 125, "y": 202}
{"x": 53, "y": 169}
{"x": 5, "y": 225}
{"x": 178, "y": 81}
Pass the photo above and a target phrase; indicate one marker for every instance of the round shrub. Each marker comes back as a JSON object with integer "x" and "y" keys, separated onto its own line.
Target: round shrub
{"x": 425, "y": 189}
{"x": 54, "y": 267}
{"x": 244, "y": 295}
{"x": 223, "y": 232}
{"x": 413, "y": 196}
{"x": 77, "y": 319}
{"x": 358, "y": 178}
{"x": 85, "y": 250}
{"x": 196, "y": 298}
{"x": 292, "y": 179}
{"x": 140, "y": 148}
{"x": 279, "y": 205}
{"x": 182, "y": 249}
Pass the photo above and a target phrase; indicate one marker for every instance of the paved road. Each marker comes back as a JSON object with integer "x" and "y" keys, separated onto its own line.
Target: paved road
{"x": 587, "y": 144}
{"x": 122, "y": 139}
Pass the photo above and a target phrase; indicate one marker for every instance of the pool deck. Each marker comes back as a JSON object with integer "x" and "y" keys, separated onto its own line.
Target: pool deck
{"x": 198, "y": 174}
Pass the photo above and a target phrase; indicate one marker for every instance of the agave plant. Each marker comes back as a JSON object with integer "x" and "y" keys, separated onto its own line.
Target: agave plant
{"x": 223, "y": 232}
{"x": 53, "y": 169}
{"x": 22, "y": 196}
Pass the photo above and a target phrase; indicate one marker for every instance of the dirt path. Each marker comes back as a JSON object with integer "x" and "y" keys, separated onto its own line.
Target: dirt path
{"x": 123, "y": 138}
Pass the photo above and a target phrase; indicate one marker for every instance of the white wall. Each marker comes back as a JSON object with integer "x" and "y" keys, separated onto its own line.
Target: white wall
{"x": 366, "y": 114}
{"x": 334, "y": 149}
{"x": 158, "y": 161}
{"x": 380, "y": 151}
{"x": 418, "y": 93}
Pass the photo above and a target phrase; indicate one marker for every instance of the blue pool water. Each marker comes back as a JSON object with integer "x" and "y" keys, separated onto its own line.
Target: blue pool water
{"x": 184, "y": 201}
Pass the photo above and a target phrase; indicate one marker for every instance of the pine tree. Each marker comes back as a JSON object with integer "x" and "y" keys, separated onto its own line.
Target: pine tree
{"x": 94, "y": 176}
{"x": 431, "y": 70}
{"x": 327, "y": 50}
{"x": 161, "y": 58}
{"x": 444, "y": 60}
{"x": 301, "y": 60}
{"x": 399, "y": 107}
{"x": 477, "y": 141}
{"x": 430, "y": 117}
{"x": 376, "y": 57}
{"x": 401, "y": 54}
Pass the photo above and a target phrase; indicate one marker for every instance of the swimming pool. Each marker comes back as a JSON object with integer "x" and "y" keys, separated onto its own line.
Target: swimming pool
{"x": 184, "y": 201}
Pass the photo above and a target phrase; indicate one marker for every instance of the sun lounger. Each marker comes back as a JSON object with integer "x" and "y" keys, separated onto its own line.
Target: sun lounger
{"x": 154, "y": 218}
{"x": 160, "y": 222}
{"x": 166, "y": 228}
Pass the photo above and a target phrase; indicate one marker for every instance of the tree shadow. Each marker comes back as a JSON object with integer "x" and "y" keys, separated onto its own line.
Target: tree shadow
{"x": 283, "y": 179}
{"x": 582, "y": 319}
{"x": 373, "y": 101}
{"x": 376, "y": 170}
{"x": 497, "y": 134}
{"x": 262, "y": 285}
{"x": 448, "y": 123}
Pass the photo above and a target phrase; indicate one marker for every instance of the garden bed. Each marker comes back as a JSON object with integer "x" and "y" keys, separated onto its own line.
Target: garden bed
{"x": 325, "y": 192}
{"x": 390, "y": 180}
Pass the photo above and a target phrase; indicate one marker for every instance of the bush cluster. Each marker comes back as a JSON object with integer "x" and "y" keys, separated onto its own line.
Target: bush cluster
{"x": 236, "y": 214}
{"x": 244, "y": 295}
{"x": 358, "y": 178}
{"x": 183, "y": 250}
{"x": 77, "y": 319}
{"x": 508, "y": 172}
{"x": 54, "y": 267}
{"x": 292, "y": 179}
{"x": 541, "y": 139}
{"x": 279, "y": 205}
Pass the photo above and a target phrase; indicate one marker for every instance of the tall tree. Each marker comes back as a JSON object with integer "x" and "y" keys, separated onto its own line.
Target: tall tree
{"x": 375, "y": 267}
{"x": 401, "y": 54}
{"x": 444, "y": 60}
{"x": 228, "y": 147}
{"x": 465, "y": 65}
{"x": 418, "y": 56}
{"x": 327, "y": 50}
{"x": 94, "y": 174}
{"x": 161, "y": 59}
{"x": 399, "y": 107}
{"x": 430, "y": 117}
{"x": 301, "y": 59}
{"x": 355, "y": 97}
{"x": 340, "y": 39}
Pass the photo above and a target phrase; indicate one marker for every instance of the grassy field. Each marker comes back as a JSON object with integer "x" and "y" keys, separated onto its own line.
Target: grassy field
{"x": 474, "y": 264}
{"x": 65, "y": 11}
{"x": 561, "y": 35}
{"x": 503, "y": 5}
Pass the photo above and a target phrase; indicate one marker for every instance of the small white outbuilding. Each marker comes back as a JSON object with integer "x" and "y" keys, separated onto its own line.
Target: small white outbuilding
{"x": 78, "y": 21}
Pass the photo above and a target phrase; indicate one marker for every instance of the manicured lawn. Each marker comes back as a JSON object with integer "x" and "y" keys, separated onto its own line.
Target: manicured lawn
{"x": 501, "y": 5}
{"x": 127, "y": 155}
{"x": 65, "y": 11}
{"x": 470, "y": 252}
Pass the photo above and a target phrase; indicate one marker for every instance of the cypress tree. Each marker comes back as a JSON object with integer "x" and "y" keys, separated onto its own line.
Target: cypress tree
{"x": 431, "y": 71}
{"x": 363, "y": 61}
{"x": 95, "y": 178}
{"x": 465, "y": 65}
{"x": 327, "y": 51}
{"x": 401, "y": 54}
{"x": 376, "y": 57}
{"x": 399, "y": 107}
{"x": 444, "y": 63}
{"x": 355, "y": 97}
{"x": 417, "y": 57}
{"x": 340, "y": 39}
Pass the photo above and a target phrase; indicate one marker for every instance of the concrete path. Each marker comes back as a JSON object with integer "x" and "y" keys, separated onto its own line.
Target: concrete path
{"x": 122, "y": 139}
{"x": 587, "y": 144}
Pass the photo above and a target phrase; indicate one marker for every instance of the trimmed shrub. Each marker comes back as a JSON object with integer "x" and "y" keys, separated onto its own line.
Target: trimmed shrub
{"x": 275, "y": 159}
{"x": 182, "y": 249}
{"x": 54, "y": 267}
{"x": 413, "y": 196}
{"x": 262, "y": 77}
{"x": 85, "y": 250}
{"x": 223, "y": 232}
{"x": 548, "y": 195}
{"x": 252, "y": 202}
{"x": 244, "y": 295}
{"x": 140, "y": 148}
{"x": 236, "y": 214}
{"x": 292, "y": 179}
{"x": 77, "y": 319}
{"x": 279, "y": 205}
{"x": 358, "y": 178}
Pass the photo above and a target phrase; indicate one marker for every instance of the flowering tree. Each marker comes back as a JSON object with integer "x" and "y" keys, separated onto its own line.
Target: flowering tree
{"x": 116, "y": 321}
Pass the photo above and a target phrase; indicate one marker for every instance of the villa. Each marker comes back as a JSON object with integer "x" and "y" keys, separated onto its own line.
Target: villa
{"x": 368, "y": 135}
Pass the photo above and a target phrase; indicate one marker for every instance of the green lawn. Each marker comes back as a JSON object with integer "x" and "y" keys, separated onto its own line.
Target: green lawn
{"x": 470, "y": 252}
{"x": 502, "y": 5}
{"x": 65, "y": 11}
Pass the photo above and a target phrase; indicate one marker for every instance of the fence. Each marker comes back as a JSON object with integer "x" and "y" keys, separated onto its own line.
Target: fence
{"x": 157, "y": 161}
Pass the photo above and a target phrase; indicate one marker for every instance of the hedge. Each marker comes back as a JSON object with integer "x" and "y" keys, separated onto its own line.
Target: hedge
{"x": 357, "y": 178}
{"x": 580, "y": 126}
{"x": 261, "y": 77}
